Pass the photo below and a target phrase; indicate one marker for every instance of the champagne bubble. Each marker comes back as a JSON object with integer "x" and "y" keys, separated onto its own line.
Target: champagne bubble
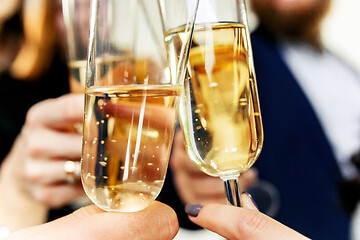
{"x": 100, "y": 102}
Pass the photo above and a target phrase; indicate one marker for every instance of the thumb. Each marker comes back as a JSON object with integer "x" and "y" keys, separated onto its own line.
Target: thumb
{"x": 158, "y": 221}
{"x": 240, "y": 223}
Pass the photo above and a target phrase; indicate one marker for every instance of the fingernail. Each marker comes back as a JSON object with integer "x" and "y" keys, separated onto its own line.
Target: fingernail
{"x": 247, "y": 201}
{"x": 252, "y": 200}
{"x": 193, "y": 209}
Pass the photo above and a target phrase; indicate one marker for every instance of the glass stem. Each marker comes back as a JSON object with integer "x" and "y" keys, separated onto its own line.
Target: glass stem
{"x": 232, "y": 191}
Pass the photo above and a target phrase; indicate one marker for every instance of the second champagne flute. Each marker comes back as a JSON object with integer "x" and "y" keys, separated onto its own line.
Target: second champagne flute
{"x": 220, "y": 111}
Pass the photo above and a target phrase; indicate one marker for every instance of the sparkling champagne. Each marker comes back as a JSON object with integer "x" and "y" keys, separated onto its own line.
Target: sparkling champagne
{"x": 219, "y": 109}
{"x": 112, "y": 70}
{"x": 127, "y": 141}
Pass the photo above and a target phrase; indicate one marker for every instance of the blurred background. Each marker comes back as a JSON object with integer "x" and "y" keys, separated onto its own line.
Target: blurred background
{"x": 340, "y": 31}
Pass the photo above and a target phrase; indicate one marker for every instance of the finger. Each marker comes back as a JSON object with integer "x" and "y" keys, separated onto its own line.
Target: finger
{"x": 241, "y": 223}
{"x": 55, "y": 196}
{"x": 248, "y": 202}
{"x": 157, "y": 221}
{"x": 45, "y": 143}
{"x": 48, "y": 172}
{"x": 57, "y": 113}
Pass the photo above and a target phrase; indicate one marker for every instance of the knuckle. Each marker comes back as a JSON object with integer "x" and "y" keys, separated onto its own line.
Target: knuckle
{"x": 42, "y": 196}
{"x": 32, "y": 177}
{"x": 47, "y": 198}
{"x": 68, "y": 109}
{"x": 31, "y": 174}
{"x": 251, "y": 223}
{"x": 31, "y": 115}
{"x": 34, "y": 148}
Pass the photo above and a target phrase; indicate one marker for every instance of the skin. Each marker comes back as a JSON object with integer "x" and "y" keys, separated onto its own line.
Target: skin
{"x": 194, "y": 185}
{"x": 243, "y": 223}
{"x": 157, "y": 221}
{"x": 49, "y": 141}
{"x": 33, "y": 172}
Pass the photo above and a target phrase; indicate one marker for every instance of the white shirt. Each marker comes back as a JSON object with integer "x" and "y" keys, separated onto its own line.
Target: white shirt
{"x": 355, "y": 223}
{"x": 333, "y": 90}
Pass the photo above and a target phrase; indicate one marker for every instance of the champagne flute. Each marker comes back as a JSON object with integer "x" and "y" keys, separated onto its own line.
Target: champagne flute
{"x": 76, "y": 14}
{"x": 219, "y": 109}
{"x": 131, "y": 98}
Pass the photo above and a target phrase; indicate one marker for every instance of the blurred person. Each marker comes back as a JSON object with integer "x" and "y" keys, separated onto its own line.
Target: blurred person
{"x": 33, "y": 68}
{"x": 32, "y": 175}
{"x": 26, "y": 61}
{"x": 32, "y": 64}
{"x": 310, "y": 109}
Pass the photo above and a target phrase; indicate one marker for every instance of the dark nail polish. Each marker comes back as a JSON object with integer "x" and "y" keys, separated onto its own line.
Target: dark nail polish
{"x": 252, "y": 199}
{"x": 193, "y": 209}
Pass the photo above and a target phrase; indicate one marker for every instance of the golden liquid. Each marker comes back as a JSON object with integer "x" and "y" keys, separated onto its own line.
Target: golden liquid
{"x": 114, "y": 70}
{"x": 220, "y": 112}
{"x": 128, "y": 133}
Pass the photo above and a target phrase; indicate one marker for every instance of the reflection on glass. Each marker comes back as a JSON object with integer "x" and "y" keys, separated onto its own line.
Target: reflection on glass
{"x": 219, "y": 110}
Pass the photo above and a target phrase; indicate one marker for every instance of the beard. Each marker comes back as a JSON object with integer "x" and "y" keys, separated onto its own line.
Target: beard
{"x": 294, "y": 25}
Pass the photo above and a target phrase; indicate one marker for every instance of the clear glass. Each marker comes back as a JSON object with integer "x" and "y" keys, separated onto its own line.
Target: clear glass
{"x": 76, "y": 15}
{"x": 131, "y": 98}
{"x": 220, "y": 113}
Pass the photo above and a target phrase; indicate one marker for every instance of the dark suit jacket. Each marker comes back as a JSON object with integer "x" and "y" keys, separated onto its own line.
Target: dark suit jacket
{"x": 296, "y": 158}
